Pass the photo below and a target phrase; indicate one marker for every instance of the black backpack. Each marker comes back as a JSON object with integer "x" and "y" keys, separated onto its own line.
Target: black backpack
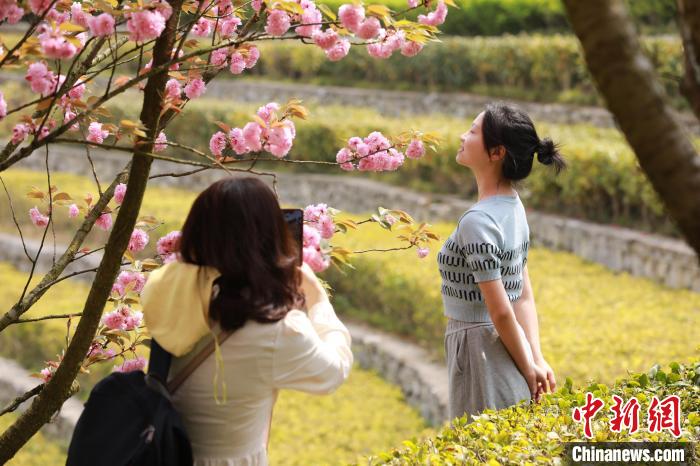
{"x": 129, "y": 418}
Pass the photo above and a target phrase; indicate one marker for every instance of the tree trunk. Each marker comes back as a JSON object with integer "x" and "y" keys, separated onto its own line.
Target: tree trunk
{"x": 58, "y": 388}
{"x": 625, "y": 78}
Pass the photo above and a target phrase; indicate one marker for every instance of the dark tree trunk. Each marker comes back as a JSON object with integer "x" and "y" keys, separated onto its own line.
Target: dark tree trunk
{"x": 58, "y": 388}
{"x": 625, "y": 78}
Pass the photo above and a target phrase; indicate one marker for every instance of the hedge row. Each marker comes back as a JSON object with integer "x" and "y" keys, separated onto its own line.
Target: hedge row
{"x": 496, "y": 17}
{"x": 536, "y": 434}
{"x": 531, "y": 67}
{"x": 603, "y": 183}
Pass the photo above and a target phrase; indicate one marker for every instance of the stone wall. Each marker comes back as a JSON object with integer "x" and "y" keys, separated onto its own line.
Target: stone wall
{"x": 665, "y": 260}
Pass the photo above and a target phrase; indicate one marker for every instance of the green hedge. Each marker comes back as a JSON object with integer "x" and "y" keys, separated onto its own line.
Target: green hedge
{"x": 603, "y": 183}
{"x": 496, "y": 17}
{"x": 536, "y": 434}
{"x": 531, "y": 67}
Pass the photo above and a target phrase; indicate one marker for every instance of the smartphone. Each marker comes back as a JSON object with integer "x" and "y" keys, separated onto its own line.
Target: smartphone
{"x": 295, "y": 222}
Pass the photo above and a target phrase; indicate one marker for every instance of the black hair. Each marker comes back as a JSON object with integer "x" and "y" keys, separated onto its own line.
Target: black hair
{"x": 508, "y": 126}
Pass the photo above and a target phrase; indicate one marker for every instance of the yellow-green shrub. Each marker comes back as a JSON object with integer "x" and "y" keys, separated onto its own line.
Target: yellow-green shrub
{"x": 535, "y": 434}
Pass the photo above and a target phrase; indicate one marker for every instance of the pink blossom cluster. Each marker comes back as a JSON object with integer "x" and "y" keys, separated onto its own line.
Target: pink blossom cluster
{"x": 148, "y": 24}
{"x": 96, "y": 134}
{"x": 332, "y": 44}
{"x": 237, "y": 60}
{"x": 21, "y": 130}
{"x": 275, "y": 137}
{"x": 122, "y": 318}
{"x": 138, "y": 241}
{"x": 129, "y": 280}
{"x": 104, "y": 221}
{"x": 435, "y": 18}
{"x": 97, "y": 351}
{"x": 41, "y": 79}
{"x": 37, "y": 218}
{"x": 73, "y": 211}
{"x": 160, "y": 144}
{"x": 353, "y": 18}
{"x": 55, "y": 44}
{"x": 130, "y": 365}
{"x": 47, "y": 373}
{"x": 373, "y": 153}
{"x": 203, "y": 27}
{"x": 168, "y": 246}
{"x": 318, "y": 226}
{"x": 10, "y": 11}
{"x": 119, "y": 193}
{"x": 195, "y": 88}
{"x": 101, "y": 25}
{"x": 422, "y": 252}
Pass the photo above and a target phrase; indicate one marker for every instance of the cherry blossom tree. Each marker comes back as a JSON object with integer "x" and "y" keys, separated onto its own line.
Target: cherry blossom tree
{"x": 77, "y": 57}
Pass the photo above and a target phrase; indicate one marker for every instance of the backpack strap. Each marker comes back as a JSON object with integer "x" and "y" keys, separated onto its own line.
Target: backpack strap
{"x": 196, "y": 360}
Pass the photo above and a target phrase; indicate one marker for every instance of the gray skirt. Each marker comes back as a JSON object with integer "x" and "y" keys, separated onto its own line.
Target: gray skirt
{"x": 481, "y": 372}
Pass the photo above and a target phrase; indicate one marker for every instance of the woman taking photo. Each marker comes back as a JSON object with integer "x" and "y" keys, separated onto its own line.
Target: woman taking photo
{"x": 492, "y": 338}
{"x": 239, "y": 271}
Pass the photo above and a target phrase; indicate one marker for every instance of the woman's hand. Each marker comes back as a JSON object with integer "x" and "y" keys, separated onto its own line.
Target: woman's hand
{"x": 311, "y": 287}
{"x": 550, "y": 373}
{"x": 536, "y": 380}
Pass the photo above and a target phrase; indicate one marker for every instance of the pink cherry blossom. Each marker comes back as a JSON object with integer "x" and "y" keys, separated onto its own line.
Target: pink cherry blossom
{"x": 131, "y": 365}
{"x": 237, "y": 63}
{"x": 169, "y": 243}
{"x": 96, "y": 134}
{"x": 114, "y": 320}
{"x": 3, "y": 106}
{"x": 312, "y": 237}
{"x": 73, "y": 211}
{"x": 228, "y": 26}
{"x": 20, "y": 132}
{"x": 415, "y": 149}
{"x": 257, "y": 5}
{"x": 310, "y": 20}
{"x": 251, "y": 134}
{"x": 280, "y": 138}
{"x": 160, "y": 142}
{"x": 351, "y": 16}
{"x": 104, "y": 221}
{"x": 101, "y": 25}
{"x": 237, "y": 141}
{"x": 39, "y": 6}
{"x": 267, "y": 111}
{"x": 217, "y": 143}
{"x": 138, "y": 240}
{"x": 78, "y": 16}
{"x": 411, "y": 48}
{"x": 134, "y": 320}
{"x": 219, "y": 57}
{"x": 173, "y": 88}
{"x": 195, "y": 88}
{"x": 38, "y": 219}
{"x": 55, "y": 45}
{"x": 326, "y": 227}
{"x": 10, "y": 11}
{"x": 76, "y": 92}
{"x": 127, "y": 278}
{"x": 47, "y": 373}
{"x": 277, "y": 23}
{"x": 40, "y": 79}
{"x": 203, "y": 27}
{"x": 369, "y": 28}
{"x": 119, "y": 193}
{"x": 316, "y": 259}
{"x": 422, "y": 252}
{"x": 413, "y": 3}
{"x": 339, "y": 50}
{"x": 344, "y": 157}
{"x": 252, "y": 57}
{"x": 163, "y": 8}
{"x": 435, "y": 18}
{"x": 325, "y": 39}
{"x": 145, "y": 25}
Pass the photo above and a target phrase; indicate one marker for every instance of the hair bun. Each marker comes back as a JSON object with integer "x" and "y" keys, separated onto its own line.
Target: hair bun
{"x": 546, "y": 151}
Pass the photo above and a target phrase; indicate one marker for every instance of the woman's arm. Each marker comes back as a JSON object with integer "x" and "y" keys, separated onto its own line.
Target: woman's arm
{"x": 504, "y": 320}
{"x": 526, "y": 314}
